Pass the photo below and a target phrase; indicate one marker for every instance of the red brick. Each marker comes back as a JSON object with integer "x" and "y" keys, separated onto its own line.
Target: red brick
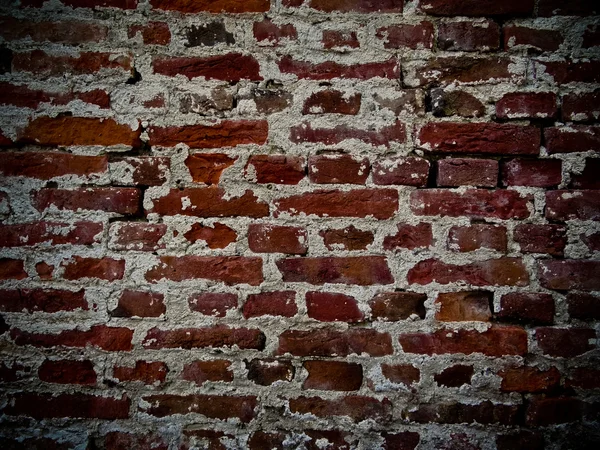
{"x": 405, "y": 440}
{"x": 337, "y": 168}
{"x": 327, "y": 342}
{"x": 361, "y": 270}
{"x": 44, "y": 65}
{"x": 547, "y": 411}
{"x": 451, "y": 70}
{"x": 213, "y": 370}
{"x": 588, "y": 178}
{"x": 227, "y": 133}
{"x": 569, "y": 274}
{"x": 212, "y": 406}
{"x": 550, "y": 239}
{"x": 584, "y": 378}
{"x": 87, "y": 406}
{"x": 112, "y": 339}
{"x": 232, "y": 67}
{"x": 477, "y": 236}
{"x": 38, "y": 299}
{"x": 393, "y": 306}
{"x": 454, "y": 376}
{"x": 140, "y": 171}
{"x": 278, "y": 169}
{"x": 138, "y": 236}
{"x": 564, "y": 72}
{"x": 208, "y": 202}
{"x": 401, "y": 374}
{"x": 573, "y": 204}
{"x": 65, "y": 32}
{"x": 265, "y": 372}
{"x": 526, "y": 307}
{"x": 213, "y": 304}
{"x": 153, "y": 33}
{"x": 208, "y": 167}
{"x": 215, "y": 337}
{"x": 23, "y": 96}
{"x": 144, "y": 371}
{"x": 359, "y": 6}
{"x": 139, "y": 303}
{"x": 349, "y": 238}
{"x": 447, "y": 103}
{"x": 409, "y": 237}
{"x": 479, "y": 138}
{"x": 304, "y": 133}
{"x": 519, "y": 440}
{"x": 455, "y": 413}
{"x": 583, "y": 306}
{"x": 470, "y": 36}
{"x": 496, "y": 341}
{"x": 276, "y": 303}
{"x": 357, "y": 408}
{"x": 548, "y": 8}
{"x": 266, "y": 30}
{"x": 329, "y": 70}
{"x": 565, "y": 342}
{"x": 379, "y": 203}
{"x": 475, "y": 8}
{"x": 211, "y": 6}
{"x": 68, "y": 372}
{"x": 106, "y": 268}
{"x": 51, "y": 233}
{"x": 109, "y": 199}
{"x": 418, "y": 36}
{"x": 407, "y": 171}
{"x": 336, "y": 39}
{"x": 331, "y": 101}
{"x": 333, "y": 376}
{"x": 266, "y": 238}
{"x": 66, "y": 130}
{"x": 218, "y": 236}
{"x": 527, "y": 105}
{"x": 534, "y": 172}
{"x": 116, "y": 440}
{"x": 529, "y": 379}
{"x": 332, "y": 307}
{"x": 12, "y": 269}
{"x": 464, "y": 306}
{"x": 492, "y": 272}
{"x": 523, "y": 37}
{"x": 48, "y": 165}
{"x": 576, "y": 138}
{"x": 4, "y": 141}
{"x": 581, "y": 106}
{"x": 227, "y": 269}
{"x": 467, "y": 172}
{"x": 473, "y": 203}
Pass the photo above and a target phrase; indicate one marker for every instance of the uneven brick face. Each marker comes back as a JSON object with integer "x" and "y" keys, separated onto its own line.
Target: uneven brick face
{"x": 153, "y": 33}
{"x": 270, "y": 101}
{"x": 337, "y": 169}
{"x": 539, "y": 105}
{"x": 111, "y": 199}
{"x": 550, "y": 239}
{"x": 331, "y": 307}
{"x": 232, "y": 67}
{"x": 217, "y": 236}
{"x": 12, "y": 269}
{"x": 477, "y": 8}
{"x": 455, "y": 412}
{"x": 584, "y": 378}
{"x": 67, "y": 372}
{"x": 265, "y": 372}
{"x": 564, "y": 72}
{"x": 389, "y": 69}
{"x": 526, "y": 307}
{"x": 565, "y": 342}
{"x": 409, "y": 237}
{"x": 38, "y": 299}
{"x": 565, "y": 205}
{"x": 100, "y": 336}
{"x": 139, "y": 303}
{"x": 213, "y": 370}
{"x": 520, "y": 439}
{"x": 67, "y": 32}
{"x": 143, "y": 170}
{"x": 547, "y": 411}
{"x": 278, "y": 169}
{"x": 468, "y": 36}
{"x": 581, "y": 107}
{"x": 349, "y": 238}
{"x": 276, "y": 303}
{"x": 401, "y": 374}
{"x": 455, "y": 172}
{"x": 144, "y": 371}
{"x": 48, "y": 165}
{"x": 447, "y": 103}
{"x": 336, "y": 39}
{"x": 215, "y": 337}
{"x": 213, "y": 304}
{"x": 265, "y": 238}
{"x": 360, "y": 6}
{"x": 208, "y": 167}
{"x": 227, "y": 6}
{"x": 42, "y": 406}
{"x": 407, "y": 36}
{"x": 587, "y": 179}
{"x": 535, "y": 173}
{"x": 549, "y": 8}
{"x": 333, "y": 376}
{"x": 408, "y": 171}
{"x": 358, "y": 408}
{"x": 332, "y": 101}
{"x": 50, "y": 233}
{"x": 583, "y": 306}
{"x": 569, "y": 274}
{"x": 326, "y": 342}
{"x": 393, "y": 306}
{"x": 536, "y": 39}
{"x": 43, "y": 64}
{"x": 106, "y": 268}
{"x": 266, "y": 30}
{"x": 137, "y": 236}
{"x": 211, "y": 406}
{"x": 122, "y": 441}
{"x": 384, "y": 136}
{"x": 405, "y": 440}
{"x": 529, "y": 379}
{"x": 496, "y": 341}
{"x": 454, "y": 376}
{"x": 464, "y": 306}
{"x": 478, "y": 236}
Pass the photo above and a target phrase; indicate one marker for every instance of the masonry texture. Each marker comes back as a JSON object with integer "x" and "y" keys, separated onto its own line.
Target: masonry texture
{"x": 299, "y": 224}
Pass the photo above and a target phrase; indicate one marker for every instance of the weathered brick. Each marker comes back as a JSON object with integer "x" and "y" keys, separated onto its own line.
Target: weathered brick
{"x": 520, "y": 439}
{"x": 550, "y": 239}
{"x": 349, "y": 238}
{"x": 212, "y": 370}
{"x": 454, "y": 376}
{"x": 389, "y": 69}
{"x": 548, "y": 8}
{"x": 266, "y": 238}
{"x": 228, "y": 133}
{"x": 66, "y": 32}
{"x": 108, "y": 199}
{"x": 220, "y": 407}
{"x": 208, "y": 167}
{"x": 327, "y": 342}
{"x": 361, "y": 270}
{"x": 208, "y": 202}
{"x": 13, "y": 371}
{"x": 536, "y": 39}
{"x": 405, "y": 440}
{"x": 270, "y": 101}
{"x": 576, "y": 138}
{"x": 473, "y": 203}
{"x": 332, "y": 101}
{"x": 153, "y": 33}
{"x": 401, "y": 374}
{"x": 464, "y": 306}
{"x": 208, "y": 337}
{"x": 267, "y": 30}
{"x": 588, "y": 178}
{"x": 265, "y": 372}
{"x": 477, "y": 236}
{"x": 358, "y": 408}
{"x": 138, "y": 236}
{"x": 547, "y": 411}
{"x": 212, "y": 33}
{"x": 333, "y": 376}
{"x": 583, "y": 306}
{"x": 383, "y": 136}
{"x": 232, "y": 67}
{"x": 43, "y": 64}
{"x": 455, "y": 412}
{"x": 39, "y": 299}
{"x": 581, "y": 106}
{"x": 584, "y": 378}
{"x": 68, "y": 372}
{"x": 87, "y": 406}
{"x": 278, "y": 169}
{"x": 402, "y": 101}
{"x": 531, "y": 172}
{"x": 569, "y": 274}
{"x": 12, "y": 269}
{"x": 217, "y": 236}
{"x": 359, "y": 6}
{"x": 213, "y": 304}
{"x": 50, "y": 233}
{"x": 117, "y": 440}
{"x": 479, "y": 138}
{"x": 140, "y": 170}
{"x": 211, "y": 6}
{"x": 454, "y": 172}
{"x": 526, "y": 307}
{"x": 447, "y": 103}
{"x": 527, "y": 105}
{"x": 496, "y": 341}
{"x": 144, "y": 371}
{"x": 470, "y": 36}
{"x": 379, "y": 203}
{"x": 338, "y": 169}
{"x": 477, "y": 8}
{"x": 23, "y": 96}
{"x": 276, "y": 303}
{"x": 106, "y": 268}
{"x": 106, "y": 338}
{"x": 333, "y": 39}
{"x": 418, "y": 36}
{"x": 564, "y": 72}
{"x": 409, "y": 237}
{"x": 573, "y": 204}
{"x": 565, "y": 342}
{"x": 409, "y": 171}
{"x": 227, "y": 269}
{"x": 332, "y": 307}
{"x": 139, "y": 303}
{"x": 49, "y": 165}
{"x": 529, "y": 379}
{"x": 393, "y": 306}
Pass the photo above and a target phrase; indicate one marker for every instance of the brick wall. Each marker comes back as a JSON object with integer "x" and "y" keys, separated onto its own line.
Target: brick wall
{"x": 320, "y": 224}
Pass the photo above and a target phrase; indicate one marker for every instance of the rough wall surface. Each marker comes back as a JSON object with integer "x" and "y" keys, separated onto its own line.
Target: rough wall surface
{"x": 319, "y": 224}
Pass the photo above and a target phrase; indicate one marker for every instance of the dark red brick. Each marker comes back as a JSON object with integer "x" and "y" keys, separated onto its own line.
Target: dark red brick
{"x": 265, "y": 372}
{"x": 405, "y": 440}
{"x": 68, "y": 32}
{"x": 477, "y": 236}
{"x": 106, "y": 338}
{"x": 211, "y": 6}
{"x": 550, "y": 239}
{"x": 548, "y": 8}
{"x": 393, "y": 306}
{"x": 454, "y": 172}
{"x": 153, "y": 33}
{"x": 106, "y": 268}
{"x": 527, "y": 105}
{"x": 529, "y": 379}
{"x": 107, "y": 199}
{"x": 337, "y": 169}
{"x": 448, "y": 103}
{"x": 12, "y": 269}
{"x": 543, "y": 411}
{"x": 584, "y": 378}
{"x": 217, "y": 236}
{"x": 576, "y": 138}
{"x": 87, "y": 406}
{"x": 138, "y": 236}
{"x": 455, "y": 413}
{"x": 45, "y": 65}
{"x": 464, "y": 306}
{"x": 475, "y": 8}
{"x": 116, "y": 440}
{"x": 276, "y": 303}
{"x": 39, "y": 299}
{"x": 401, "y": 374}
{"x": 470, "y": 36}
{"x": 583, "y": 306}
{"x": 333, "y": 376}
{"x": 141, "y": 170}
{"x": 588, "y": 178}
{"x": 569, "y": 274}
{"x": 357, "y": 408}
{"x": 454, "y": 376}
{"x": 581, "y": 106}
{"x": 266, "y": 30}
{"x": 139, "y": 303}
{"x": 213, "y": 304}
{"x": 215, "y": 337}
{"x": 359, "y": 6}
{"x": 389, "y": 69}
{"x": 349, "y": 238}
{"x": 531, "y": 172}
{"x": 565, "y": 342}
{"x": 409, "y": 171}
{"x": 332, "y": 101}
{"x": 278, "y": 169}
{"x": 68, "y": 372}
{"x": 526, "y": 307}
{"x": 573, "y": 204}
{"x": 232, "y": 67}
{"x": 564, "y": 72}
{"x": 48, "y": 165}
{"x": 212, "y": 406}
{"x": 212, "y": 370}
{"x": 51, "y": 233}
{"x": 144, "y": 371}
{"x": 419, "y": 36}
{"x": 520, "y": 440}
{"x": 332, "y": 307}
{"x": 536, "y": 39}
{"x": 208, "y": 167}
{"x": 337, "y": 39}
{"x": 266, "y": 238}
{"x": 385, "y": 135}
{"x": 409, "y": 237}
